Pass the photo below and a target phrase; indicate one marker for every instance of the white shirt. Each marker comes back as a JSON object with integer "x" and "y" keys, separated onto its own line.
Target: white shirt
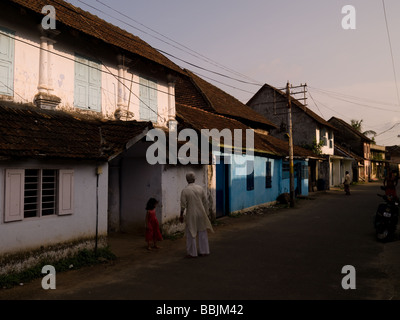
{"x": 194, "y": 200}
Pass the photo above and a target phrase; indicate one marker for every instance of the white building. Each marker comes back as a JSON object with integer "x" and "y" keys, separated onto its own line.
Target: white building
{"x": 89, "y": 69}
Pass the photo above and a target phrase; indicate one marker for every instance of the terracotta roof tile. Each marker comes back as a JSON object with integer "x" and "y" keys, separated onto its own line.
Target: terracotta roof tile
{"x": 199, "y": 93}
{"x": 296, "y": 103}
{"x": 332, "y": 121}
{"x": 264, "y": 144}
{"x": 29, "y": 132}
{"x": 90, "y": 24}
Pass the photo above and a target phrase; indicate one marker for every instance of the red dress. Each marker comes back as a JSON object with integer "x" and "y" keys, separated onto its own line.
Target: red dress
{"x": 153, "y": 232}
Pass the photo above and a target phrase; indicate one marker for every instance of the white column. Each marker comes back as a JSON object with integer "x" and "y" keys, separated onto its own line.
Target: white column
{"x": 171, "y": 101}
{"x": 122, "y": 74}
{"x": 43, "y": 62}
{"x": 50, "y": 84}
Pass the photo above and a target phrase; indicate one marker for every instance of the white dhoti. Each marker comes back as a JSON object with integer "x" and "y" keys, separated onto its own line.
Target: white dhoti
{"x": 191, "y": 245}
{"x": 194, "y": 200}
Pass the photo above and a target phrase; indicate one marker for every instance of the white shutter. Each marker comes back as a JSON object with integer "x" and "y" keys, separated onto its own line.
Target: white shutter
{"x": 66, "y": 192}
{"x": 6, "y": 61}
{"x": 14, "y": 195}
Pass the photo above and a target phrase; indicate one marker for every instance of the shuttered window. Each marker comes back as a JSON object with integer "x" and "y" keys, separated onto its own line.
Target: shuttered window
{"x": 285, "y": 170}
{"x": 66, "y": 192}
{"x": 148, "y": 108}
{"x": 6, "y": 61}
{"x": 250, "y": 175}
{"x": 14, "y": 195}
{"x": 87, "y": 91}
{"x": 38, "y": 192}
{"x": 268, "y": 175}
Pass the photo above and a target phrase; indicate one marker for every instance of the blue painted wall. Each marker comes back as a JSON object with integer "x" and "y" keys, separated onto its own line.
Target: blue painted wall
{"x": 285, "y": 184}
{"x": 241, "y": 198}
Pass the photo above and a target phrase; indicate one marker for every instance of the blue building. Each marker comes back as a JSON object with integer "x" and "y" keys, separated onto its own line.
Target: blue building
{"x": 256, "y": 180}
{"x": 240, "y": 179}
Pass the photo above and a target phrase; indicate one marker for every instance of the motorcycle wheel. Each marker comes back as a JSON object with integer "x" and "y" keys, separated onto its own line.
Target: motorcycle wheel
{"x": 383, "y": 235}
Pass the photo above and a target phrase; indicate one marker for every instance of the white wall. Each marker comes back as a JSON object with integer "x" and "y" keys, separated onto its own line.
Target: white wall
{"x": 140, "y": 181}
{"x": 326, "y": 149}
{"x": 32, "y": 233}
{"x": 27, "y": 66}
{"x": 173, "y": 182}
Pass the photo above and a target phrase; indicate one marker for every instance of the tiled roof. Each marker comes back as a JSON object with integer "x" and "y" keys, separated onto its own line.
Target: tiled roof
{"x": 91, "y": 25}
{"x": 295, "y": 103}
{"x": 199, "y": 93}
{"x": 265, "y": 144}
{"x": 348, "y": 127}
{"x": 198, "y": 119}
{"x": 30, "y": 132}
{"x": 282, "y": 147}
{"x": 342, "y": 151}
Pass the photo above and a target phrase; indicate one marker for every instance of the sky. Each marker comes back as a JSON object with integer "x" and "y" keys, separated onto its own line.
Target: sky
{"x": 241, "y": 45}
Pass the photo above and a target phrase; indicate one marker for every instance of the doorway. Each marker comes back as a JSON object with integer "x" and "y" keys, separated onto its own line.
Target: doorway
{"x": 222, "y": 187}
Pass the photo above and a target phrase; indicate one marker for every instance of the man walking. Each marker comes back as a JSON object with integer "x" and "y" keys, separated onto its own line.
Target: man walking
{"x": 194, "y": 201}
{"x": 346, "y": 183}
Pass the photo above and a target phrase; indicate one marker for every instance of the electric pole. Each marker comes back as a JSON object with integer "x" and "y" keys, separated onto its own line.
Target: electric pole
{"x": 291, "y": 165}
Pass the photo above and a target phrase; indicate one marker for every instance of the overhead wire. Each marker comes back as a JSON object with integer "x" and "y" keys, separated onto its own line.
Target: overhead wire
{"x": 192, "y": 52}
{"x": 315, "y": 103}
{"x": 254, "y": 82}
{"x": 166, "y": 53}
{"x": 362, "y": 99}
{"x": 335, "y": 96}
{"x": 391, "y": 52}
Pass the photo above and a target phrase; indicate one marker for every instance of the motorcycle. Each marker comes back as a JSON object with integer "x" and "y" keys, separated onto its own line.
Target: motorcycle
{"x": 386, "y": 218}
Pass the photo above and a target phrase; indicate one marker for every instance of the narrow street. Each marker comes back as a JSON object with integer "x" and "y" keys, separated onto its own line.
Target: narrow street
{"x": 282, "y": 254}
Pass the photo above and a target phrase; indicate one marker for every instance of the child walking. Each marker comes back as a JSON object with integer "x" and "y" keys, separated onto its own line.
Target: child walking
{"x": 153, "y": 233}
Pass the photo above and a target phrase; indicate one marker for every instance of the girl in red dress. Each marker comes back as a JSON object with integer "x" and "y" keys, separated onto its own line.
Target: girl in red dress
{"x": 153, "y": 233}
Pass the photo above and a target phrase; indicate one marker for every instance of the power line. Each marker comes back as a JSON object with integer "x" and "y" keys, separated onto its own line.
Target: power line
{"x": 358, "y": 103}
{"x": 205, "y": 77}
{"x": 117, "y": 78}
{"x": 196, "y": 54}
{"x": 362, "y": 99}
{"x": 396, "y": 124}
{"x": 214, "y": 72}
{"x": 315, "y": 103}
{"x": 391, "y": 52}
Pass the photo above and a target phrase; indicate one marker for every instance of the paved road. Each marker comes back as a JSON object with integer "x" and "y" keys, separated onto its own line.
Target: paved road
{"x": 293, "y": 253}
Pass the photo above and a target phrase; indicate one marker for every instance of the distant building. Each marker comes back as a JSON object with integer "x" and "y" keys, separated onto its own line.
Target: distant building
{"x": 358, "y": 143}
{"x": 309, "y": 130}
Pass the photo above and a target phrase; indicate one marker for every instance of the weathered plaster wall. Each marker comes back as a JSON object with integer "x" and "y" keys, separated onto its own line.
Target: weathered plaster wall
{"x": 33, "y": 233}
{"x": 61, "y": 64}
{"x": 173, "y": 182}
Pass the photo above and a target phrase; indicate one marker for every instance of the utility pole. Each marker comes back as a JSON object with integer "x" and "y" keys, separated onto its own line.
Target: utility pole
{"x": 291, "y": 165}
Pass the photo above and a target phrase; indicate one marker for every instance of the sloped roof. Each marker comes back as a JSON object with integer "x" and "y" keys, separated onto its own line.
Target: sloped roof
{"x": 200, "y": 119}
{"x": 91, "y": 25}
{"x": 199, "y": 93}
{"x": 30, "y": 132}
{"x": 265, "y": 144}
{"x": 342, "y": 151}
{"x": 282, "y": 147}
{"x": 295, "y": 103}
{"x": 349, "y": 127}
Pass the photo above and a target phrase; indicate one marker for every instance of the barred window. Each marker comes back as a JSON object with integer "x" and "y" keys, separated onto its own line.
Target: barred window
{"x": 33, "y": 193}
